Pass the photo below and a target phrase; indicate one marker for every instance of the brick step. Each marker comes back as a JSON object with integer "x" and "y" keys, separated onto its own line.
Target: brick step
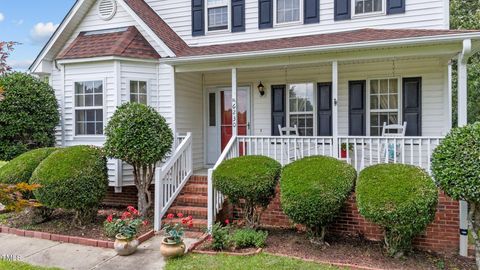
{"x": 198, "y": 179}
{"x": 191, "y": 200}
{"x": 199, "y": 225}
{"x": 195, "y": 212}
{"x": 193, "y": 188}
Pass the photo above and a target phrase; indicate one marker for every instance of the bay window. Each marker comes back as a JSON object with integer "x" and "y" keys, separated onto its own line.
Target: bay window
{"x": 89, "y": 108}
{"x": 300, "y": 108}
{"x": 384, "y": 104}
{"x": 217, "y": 14}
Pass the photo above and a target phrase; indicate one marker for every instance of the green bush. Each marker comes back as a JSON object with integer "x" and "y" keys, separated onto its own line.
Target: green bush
{"x": 20, "y": 169}
{"x": 28, "y": 114}
{"x": 249, "y": 178}
{"x": 3, "y": 163}
{"x": 400, "y": 198}
{"x": 245, "y": 238}
{"x": 313, "y": 191}
{"x": 221, "y": 239}
{"x": 73, "y": 178}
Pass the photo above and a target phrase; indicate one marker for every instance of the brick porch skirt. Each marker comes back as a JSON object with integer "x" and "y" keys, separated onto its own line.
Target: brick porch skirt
{"x": 127, "y": 197}
{"x": 442, "y": 235}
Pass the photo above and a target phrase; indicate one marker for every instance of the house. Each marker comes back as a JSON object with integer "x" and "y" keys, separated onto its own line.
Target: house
{"x": 232, "y": 73}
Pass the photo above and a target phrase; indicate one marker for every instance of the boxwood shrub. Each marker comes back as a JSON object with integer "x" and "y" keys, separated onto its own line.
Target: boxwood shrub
{"x": 20, "y": 169}
{"x": 73, "y": 178}
{"x": 313, "y": 191}
{"x": 249, "y": 178}
{"x": 400, "y": 198}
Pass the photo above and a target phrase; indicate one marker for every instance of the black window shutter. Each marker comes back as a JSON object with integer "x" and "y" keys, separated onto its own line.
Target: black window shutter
{"x": 238, "y": 15}
{"x": 324, "y": 105}
{"x": 341, "y": 10}
{"x": 395, "y": 6}
{"x": 356, "y": 108}
{"x": 198, "y": 18}
{"x": 311, "y": 11}
{"x": 412, "y": 105}
{"x": 265, "y": 14}
{"x": 278, "y": 108}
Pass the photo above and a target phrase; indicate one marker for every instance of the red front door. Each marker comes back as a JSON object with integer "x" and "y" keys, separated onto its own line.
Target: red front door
{"x": 226, "y": 115}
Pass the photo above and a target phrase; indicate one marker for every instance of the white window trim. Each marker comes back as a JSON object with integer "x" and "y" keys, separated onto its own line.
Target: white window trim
{"x": 400, "y": 100}
{"x": 300, "y": 17}
{"x": 103, "y": 108}
{"x": 129, "y": 91}
{"x": 229, "y": 19}
{"x": 369, "y": 14}
{"x": 287, "y": 109}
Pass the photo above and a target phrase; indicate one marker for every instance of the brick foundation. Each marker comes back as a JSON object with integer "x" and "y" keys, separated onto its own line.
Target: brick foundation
{"x": 127, "y": 197}
{"x": 442, "y": 235}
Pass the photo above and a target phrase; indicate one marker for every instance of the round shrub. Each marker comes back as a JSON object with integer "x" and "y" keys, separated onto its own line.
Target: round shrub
{"x": 28, "y": 114}
{"x": 20, "y": 169}
{"x": 249, "y": 178}
{"x": 73, "y": 178}
{"x": 400, "y": 198}
{"x": 314, "y": 189}
{"x": 3, "y": 163}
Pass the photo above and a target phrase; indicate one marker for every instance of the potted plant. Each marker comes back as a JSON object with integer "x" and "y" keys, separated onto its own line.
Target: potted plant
{"x": 173, "y": 245}
{"x": 344, "y": 149}
{"x": 126, "y": 229}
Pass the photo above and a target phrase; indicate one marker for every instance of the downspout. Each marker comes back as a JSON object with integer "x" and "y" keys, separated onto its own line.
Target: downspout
{"x": 462, "y": 121}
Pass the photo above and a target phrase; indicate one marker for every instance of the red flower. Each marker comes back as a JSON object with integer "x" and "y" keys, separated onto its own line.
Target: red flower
{"x": 170, "y": 216}
{"x": 145, "y": 222}
{"x": 135, "y": 212}
{"x": 110, "y": 218}
{"x": 180, "y": 215}
{"x": 126, "y": 215}
{"x": 184, "y": 221}
{"x": 190, "y": 224}
{"x": 190, "y": 218}
{"x": 227, "y": 221}
{"x": 131, "y": 208}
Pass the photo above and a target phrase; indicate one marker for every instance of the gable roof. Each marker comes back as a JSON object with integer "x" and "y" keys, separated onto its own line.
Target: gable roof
{"x": 125, "y": 42}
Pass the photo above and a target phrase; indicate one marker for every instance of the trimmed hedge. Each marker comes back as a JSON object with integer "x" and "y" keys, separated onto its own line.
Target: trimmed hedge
{"x": 28, "y": 114}
{"x": 314, "y": 190}
{"x": 21, "y": 168}
{"x": 400, "y": 198}
{"x": 73, "y": 178}
{"x": 3, "y": 163}
{"x": 251, "y": 178}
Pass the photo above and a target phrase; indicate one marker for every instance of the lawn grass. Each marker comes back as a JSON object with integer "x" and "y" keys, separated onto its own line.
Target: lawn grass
{"x": 261, "y": 261}
{"x": 15, "y": 265}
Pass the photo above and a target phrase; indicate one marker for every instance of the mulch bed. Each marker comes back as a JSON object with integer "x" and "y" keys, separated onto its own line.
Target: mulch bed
{"x": 204, "y": 246}
{"x": 62, "y": 223}
{"x": 357, "y": 251}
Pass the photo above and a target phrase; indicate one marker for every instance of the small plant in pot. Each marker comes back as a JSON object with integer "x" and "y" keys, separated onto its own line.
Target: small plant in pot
{"x": 125, "y": 229}
{"x": 172, "y": 244}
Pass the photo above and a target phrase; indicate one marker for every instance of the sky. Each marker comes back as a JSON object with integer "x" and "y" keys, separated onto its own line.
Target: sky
{"x": 30, "y": 22}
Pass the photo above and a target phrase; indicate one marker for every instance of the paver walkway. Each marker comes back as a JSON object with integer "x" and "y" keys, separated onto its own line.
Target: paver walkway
{"x": 70, "y": 256}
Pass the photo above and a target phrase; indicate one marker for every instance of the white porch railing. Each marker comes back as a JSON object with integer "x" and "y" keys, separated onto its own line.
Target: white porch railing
{"x": 360, "y": 152}
{"x": 172, "y": 177}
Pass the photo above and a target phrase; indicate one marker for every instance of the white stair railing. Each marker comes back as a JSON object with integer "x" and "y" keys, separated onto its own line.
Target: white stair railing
{"x": 172, "y": 177}
{"x": 215, "y": 197}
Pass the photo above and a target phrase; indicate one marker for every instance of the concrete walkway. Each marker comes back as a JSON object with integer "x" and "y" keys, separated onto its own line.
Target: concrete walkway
{"x": 69, "y": 256}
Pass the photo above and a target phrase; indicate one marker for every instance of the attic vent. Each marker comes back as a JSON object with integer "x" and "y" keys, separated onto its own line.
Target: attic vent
{"x": 107, "y": 9}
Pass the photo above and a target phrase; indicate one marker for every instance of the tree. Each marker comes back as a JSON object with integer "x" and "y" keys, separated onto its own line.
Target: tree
{"x": 28, "y": 114}
{"x": 466, "y": 15}
{"x": 6, "y": 47}
{"x": 456, "y": 169}
{"x": 141, "y": 137}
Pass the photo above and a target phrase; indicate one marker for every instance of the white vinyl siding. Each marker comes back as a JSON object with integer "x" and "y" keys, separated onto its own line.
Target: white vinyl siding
{"x": 421, "y": 14}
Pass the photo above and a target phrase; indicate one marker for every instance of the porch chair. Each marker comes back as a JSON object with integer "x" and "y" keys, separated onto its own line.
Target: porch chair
{"x": 290, "y": 131}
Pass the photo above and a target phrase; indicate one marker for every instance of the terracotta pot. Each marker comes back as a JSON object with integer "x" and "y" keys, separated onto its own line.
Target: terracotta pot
{"x": 171, "y": 249}
{"x": 124, "y": 246}
{"x": 343, "y": 153}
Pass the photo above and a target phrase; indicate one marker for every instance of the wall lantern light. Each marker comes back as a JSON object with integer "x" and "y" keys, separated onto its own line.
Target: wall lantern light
{"x": 261, "y": 89}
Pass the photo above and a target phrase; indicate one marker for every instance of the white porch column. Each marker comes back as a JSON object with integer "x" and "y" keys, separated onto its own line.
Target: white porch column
{"x": 462, "y": 121}
{"x": 234, "y": 102}
{"x": 335, "y": 107}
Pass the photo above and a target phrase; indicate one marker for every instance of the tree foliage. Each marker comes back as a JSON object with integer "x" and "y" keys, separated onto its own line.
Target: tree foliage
{"x": 28, "y": 114}
{"x": 140, "y": 136}
{"x": 6, "y": 47}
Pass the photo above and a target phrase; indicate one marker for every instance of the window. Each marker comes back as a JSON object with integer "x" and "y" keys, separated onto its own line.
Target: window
{"x": 89, "y": 108}
{"x": 368, "y": 6}
{"x": 288, "y": 11}
{"x": 138, "y": 92}
{"x": 300, "y": 108}
{"x": 217, "y": 14}
{"x": 384, "y": 104}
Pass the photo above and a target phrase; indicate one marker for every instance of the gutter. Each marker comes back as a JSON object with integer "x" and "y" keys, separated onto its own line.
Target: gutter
{"x": 325, "y": 48}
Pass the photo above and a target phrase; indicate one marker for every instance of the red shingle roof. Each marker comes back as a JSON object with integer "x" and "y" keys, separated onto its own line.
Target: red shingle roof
{"x": 126, "y": 42}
